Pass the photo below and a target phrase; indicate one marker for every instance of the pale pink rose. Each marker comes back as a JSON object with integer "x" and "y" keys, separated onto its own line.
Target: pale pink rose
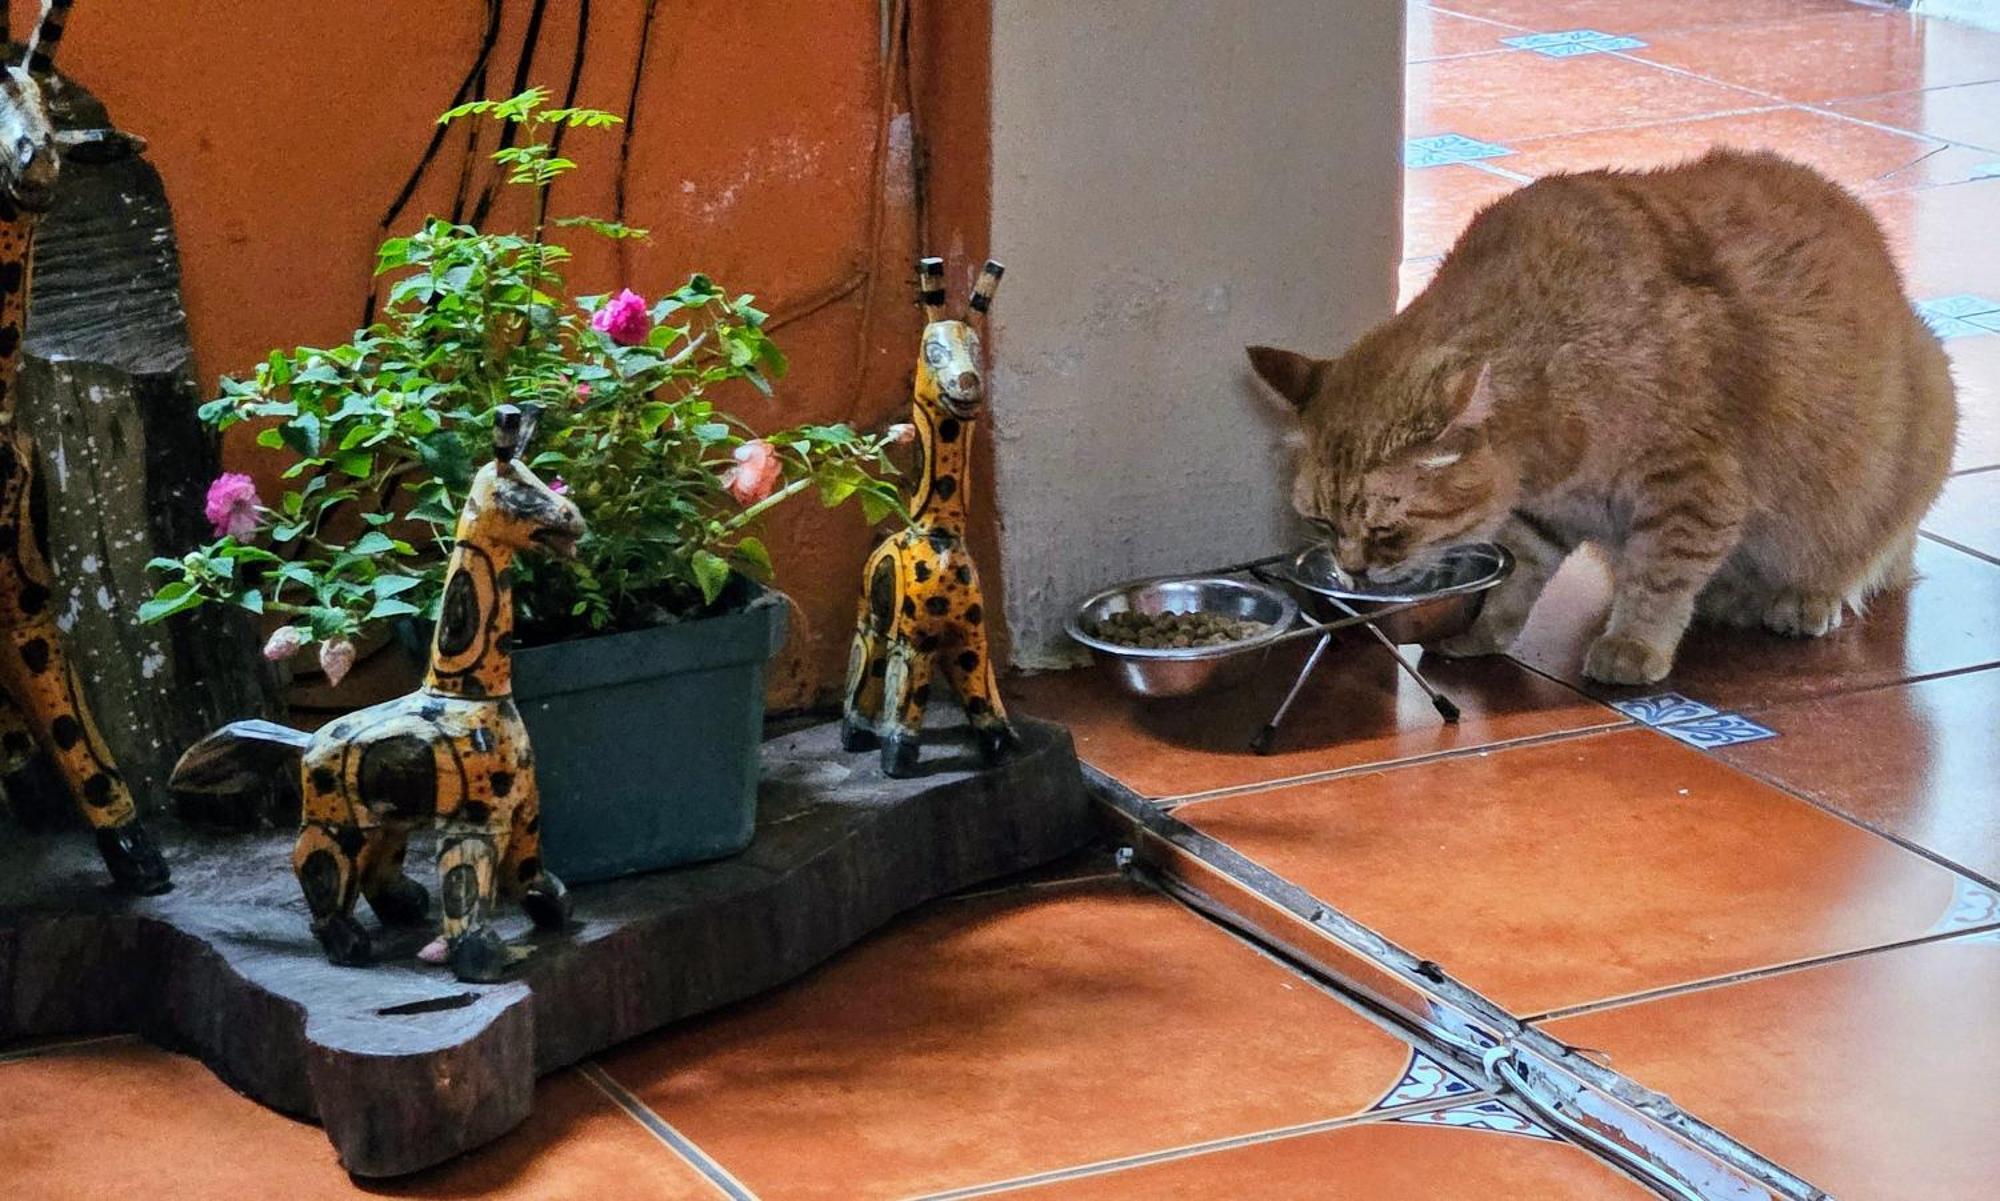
{"x": 232, "y": 504}
{"x": 583, "y": 390}
{"x": 437, "y": 950}
{"x": 336, "y": 657}
{"x": 558, "y": 485}
{"x": 625, "y": 318}
{"x": 284, "y": 643}
{"x": 756, "y": 473}
{"x": 903, "y": 434}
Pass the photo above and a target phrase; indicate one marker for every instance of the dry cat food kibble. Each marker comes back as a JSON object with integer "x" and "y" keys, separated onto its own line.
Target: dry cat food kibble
{"x": 1165, "y": 631}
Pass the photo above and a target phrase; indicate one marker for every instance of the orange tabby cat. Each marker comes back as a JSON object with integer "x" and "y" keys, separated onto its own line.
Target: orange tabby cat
{"x": 1710, "y": 371}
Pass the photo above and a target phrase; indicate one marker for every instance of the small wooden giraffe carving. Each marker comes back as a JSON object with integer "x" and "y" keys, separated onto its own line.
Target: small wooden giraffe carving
{"x": 922, "y": 613}
{"x": 453, "y": 751}
{"x": 43, "y": 706}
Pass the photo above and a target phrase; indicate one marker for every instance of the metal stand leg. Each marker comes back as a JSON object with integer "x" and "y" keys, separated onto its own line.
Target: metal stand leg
{"x": 1262, "y": 742}
{"x": 1439, "y": 700}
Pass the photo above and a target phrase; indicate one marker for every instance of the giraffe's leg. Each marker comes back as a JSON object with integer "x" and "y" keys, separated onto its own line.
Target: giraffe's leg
{"x": 969, "y": 667}
{"x": 906, "y": 690}
{"x": 543, "y": 896}
{"x": 38, "y": 679}
{"x": 469, "y": 874}
{"x": 325, "y": 861}
{"x": 395, "y": 898}
{"x": 868, "y": 662}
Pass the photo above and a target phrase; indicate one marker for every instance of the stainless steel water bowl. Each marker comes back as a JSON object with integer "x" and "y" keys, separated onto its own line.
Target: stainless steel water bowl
{"x": 1167, "y": 671}
{"x": 1452, "y": 590}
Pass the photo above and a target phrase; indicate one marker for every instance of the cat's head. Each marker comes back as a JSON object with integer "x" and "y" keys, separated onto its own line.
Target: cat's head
{"x": 1396, "y": 455}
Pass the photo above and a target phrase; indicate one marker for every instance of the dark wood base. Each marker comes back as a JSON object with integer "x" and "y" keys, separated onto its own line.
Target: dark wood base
{"x": 406, "y": 1067}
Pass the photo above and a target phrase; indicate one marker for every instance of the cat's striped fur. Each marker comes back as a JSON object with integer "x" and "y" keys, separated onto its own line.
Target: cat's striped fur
{"x": 1710, "y": 371}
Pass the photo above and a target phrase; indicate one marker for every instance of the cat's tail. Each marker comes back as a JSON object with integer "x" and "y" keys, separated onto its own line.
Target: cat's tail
{"x": 239, "y": 759}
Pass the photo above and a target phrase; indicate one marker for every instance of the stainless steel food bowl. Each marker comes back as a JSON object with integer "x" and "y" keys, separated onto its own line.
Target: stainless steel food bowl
{"x": 1168, "y": 671}
{"x": 1452, "y": 590}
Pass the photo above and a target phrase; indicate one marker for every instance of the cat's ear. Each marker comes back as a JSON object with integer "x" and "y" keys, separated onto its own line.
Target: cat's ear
{"x": 1474, "y": 400}
{"x": 1291, "y": 375}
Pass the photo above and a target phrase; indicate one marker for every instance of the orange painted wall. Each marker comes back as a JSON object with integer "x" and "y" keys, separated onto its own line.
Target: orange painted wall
{"x": 283, "y": 132}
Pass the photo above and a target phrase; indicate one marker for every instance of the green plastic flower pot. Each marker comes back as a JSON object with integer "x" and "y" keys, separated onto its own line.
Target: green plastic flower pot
{"x": 647, "y": 743}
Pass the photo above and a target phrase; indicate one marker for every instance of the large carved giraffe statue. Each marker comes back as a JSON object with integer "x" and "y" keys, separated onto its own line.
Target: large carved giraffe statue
{"x": 43, "y": 705}
{"x": 453, "y": 751}
{"x": 922, "y": 613}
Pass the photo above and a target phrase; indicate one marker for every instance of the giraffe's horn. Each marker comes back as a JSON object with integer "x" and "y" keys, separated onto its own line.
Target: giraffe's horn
{"x": 48, "y": 37}
{"x": 930, "y": 287}
{"x": 987, "y": 285}
{"x": 508, "y": 427}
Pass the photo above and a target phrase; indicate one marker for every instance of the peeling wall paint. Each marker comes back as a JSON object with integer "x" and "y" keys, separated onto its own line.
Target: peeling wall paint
{"x": 1172, "y": 180}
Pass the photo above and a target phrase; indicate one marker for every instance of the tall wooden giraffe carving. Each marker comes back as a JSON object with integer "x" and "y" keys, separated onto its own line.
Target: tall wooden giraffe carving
{"x": 922, "y": 613}
{"x": 43, "y": 705}
{"x": 453, "y": 751}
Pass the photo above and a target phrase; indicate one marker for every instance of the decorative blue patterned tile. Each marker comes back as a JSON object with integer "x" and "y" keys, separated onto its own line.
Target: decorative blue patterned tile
{"x": 1571, "y": 43}
{"x": 1987, "y": 170}
{"x": 1986, "y": 321}
{"x": 1971, "y": 905}
{"x": 1964, "y": 304}
{"x": 1424, "y": 1080}
{"x": 1724, "y": 729}
{"x": 1662, "y": 709}
{"x": 1954, "y": 327}
{"x": 1446, "y": 148}
{"x": 1490, "y": 1116}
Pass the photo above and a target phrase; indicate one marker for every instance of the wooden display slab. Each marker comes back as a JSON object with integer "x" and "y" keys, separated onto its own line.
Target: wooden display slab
{"x": 405, "y": 1066}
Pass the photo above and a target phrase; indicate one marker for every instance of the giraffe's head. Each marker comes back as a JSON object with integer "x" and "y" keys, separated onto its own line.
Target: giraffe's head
{"x": 30, "y": 152}
{"x": 948, "y": 371}
{"x": 509, "y": 508}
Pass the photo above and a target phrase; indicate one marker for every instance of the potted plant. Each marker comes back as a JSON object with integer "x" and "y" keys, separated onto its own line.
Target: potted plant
{"x": 640, "y": 668}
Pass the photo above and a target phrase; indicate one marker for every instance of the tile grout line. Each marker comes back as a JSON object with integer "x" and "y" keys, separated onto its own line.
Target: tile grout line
{"x": 1174, "y": 803}
{"x": 679, "y": 1144}
{"x": 1746, "y": 977}
{"x": 1105, "y": 1167}
{"x": 1969, "y": 470}
{"x": 57, "y": 1048}
{"x": 1960, "y": 547}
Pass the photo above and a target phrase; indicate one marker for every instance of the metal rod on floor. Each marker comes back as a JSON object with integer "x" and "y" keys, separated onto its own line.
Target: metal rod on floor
{"x": 1439, "y": 701}
{"x": 1262, "y": 742}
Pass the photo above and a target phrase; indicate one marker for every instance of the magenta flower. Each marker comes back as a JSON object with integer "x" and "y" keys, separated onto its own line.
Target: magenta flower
{"x": 583, "y": 390}
{"x": 336, "y": 658}
{"x": 285, "y": 643}
{"x": 624, "y": 317}
{"x": 558, "y": 485}
{"x": 756, "y": 473}
{"x": 232, "y": 504}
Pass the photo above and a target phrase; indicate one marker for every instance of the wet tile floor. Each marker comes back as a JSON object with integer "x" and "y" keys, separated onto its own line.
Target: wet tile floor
{"x": 1773, "y": 893}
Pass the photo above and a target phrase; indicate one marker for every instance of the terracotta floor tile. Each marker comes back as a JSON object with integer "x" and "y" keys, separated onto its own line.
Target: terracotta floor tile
{"x": 1876, "y": 1079}
{"x": 128, "y": 1120}
{"x": 1507, "y": 97}
{"x": 1975, "y": 364}
{"x": 1628, "y": 17}
{"x": 1859, "y": 156}
{"x": 1833, "y": 56}
{"x": 1969, "y": 512}
{"x": 1969, "y": 113}
{"x": 1387, "y": 1161}
{"x": 990, "y": 1039}
{"x": 1927, "y": 772}
{"x": 1949, "y": 621}
{"x": 1358, "y": 710}
{"x": 1438, "y": 201}
{"x": 1429, "y": 34}
{"x": 1554, "y": 876}
{"x": 1943, "y": 237}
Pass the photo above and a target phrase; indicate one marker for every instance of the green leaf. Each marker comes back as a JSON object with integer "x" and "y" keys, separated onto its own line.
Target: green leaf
{"x": 755, "y": 559}
{"x": 176, "y": 597}
{"x": 711, "y": 573}
{"x": 252, "y": 600}
{"x": 390, "y": 607}
{"x": 374, "y": 542}
{"x": 392, "y": 585}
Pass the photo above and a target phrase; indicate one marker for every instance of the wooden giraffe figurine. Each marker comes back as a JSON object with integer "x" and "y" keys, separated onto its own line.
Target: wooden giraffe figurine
{"x": 922, "y": 613}
{"x": 453, "y": 751}
{"x": 43, "y": 705}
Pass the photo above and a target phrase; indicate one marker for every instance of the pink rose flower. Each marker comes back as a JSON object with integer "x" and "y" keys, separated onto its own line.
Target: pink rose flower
{"x": 558, "y": 485}
{"x": 756, "y": 473}
{"x": 232, "y": 504}
{"x": 285, "y": 643}
{"x": 903, "y": 434}
{"x": 335, "y": 659}
{"x": 437, "y": 950}
{"x": 625, "y": 318}
{"x": 583, "y": 390}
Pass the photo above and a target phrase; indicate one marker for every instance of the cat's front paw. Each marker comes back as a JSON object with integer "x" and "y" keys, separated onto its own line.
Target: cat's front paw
{"x": 1616, "y": 659}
